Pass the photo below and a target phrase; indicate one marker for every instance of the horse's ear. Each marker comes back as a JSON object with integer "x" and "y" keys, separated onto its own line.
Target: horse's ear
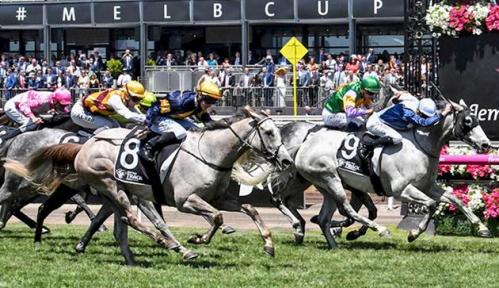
{"x": 394, "y": 90}
{"x": 456, "y": 106}
{"x": 248, "y": 111}
{"x": 461, "y": 102}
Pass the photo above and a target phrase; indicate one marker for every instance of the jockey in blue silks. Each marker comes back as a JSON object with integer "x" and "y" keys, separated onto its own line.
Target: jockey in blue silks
{"x": 167, "y": 118}
{"x": 404, "y": 115}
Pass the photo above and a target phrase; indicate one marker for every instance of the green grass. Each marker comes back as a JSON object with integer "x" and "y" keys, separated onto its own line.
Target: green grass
{"x": 238, "y": 260}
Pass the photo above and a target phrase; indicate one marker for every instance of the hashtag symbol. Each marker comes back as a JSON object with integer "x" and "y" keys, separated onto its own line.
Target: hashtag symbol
{"x": 21, "y": 14}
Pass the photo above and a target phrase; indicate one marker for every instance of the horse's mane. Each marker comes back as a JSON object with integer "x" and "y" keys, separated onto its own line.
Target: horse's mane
{"x": 221, "y": 124}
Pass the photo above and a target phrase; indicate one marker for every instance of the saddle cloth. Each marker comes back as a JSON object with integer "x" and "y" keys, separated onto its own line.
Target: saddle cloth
{"x": 129, "y": 167}
{"x": 351, "y": 163}
{"x": 76, "y": 138}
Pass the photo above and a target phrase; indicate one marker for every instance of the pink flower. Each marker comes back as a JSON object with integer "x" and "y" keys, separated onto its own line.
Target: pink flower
{"x": 479, "y": 171}
{"x": 461, "y": 192}
{"x": 459, "y": 18}
{"x": 491, "y": 204}
{"x": 492, "y": 20}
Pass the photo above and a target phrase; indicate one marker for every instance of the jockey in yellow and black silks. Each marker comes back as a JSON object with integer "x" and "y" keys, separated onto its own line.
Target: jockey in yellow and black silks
{"x": 109, "y": 108}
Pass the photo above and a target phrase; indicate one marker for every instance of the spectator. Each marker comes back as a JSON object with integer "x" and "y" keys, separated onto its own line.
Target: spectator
{"x": 32, "y": 84}
{"x": 321, "y": 57}
{"x": 60, "y": 79}
{"x": 124, "y": 78}
{"x": 370, "y": 57}
{"x": 211, "y": 61}
{"x": 268, "y": 83}
{"x": 107, "y": 80}
{"x": 281, "y": 86}
{"x": 251, "y": 59}
{"x": 127, "y": 60}
{"x": 51, "y": 79}
{"x": 170, "y": 61}
{"x": 237, "y": 59}
{"x": 191, "y": 61}
{"x": 330, "y": 63}
{"x": 22, "y": 82}
{"x": 303, "y": 83}
{"x": 83, "y": 83}
{"x": 10, "y": 83}
{"x": 94, "y": 82}
{"x": 33, "y": 67}
{"x": 203, "y": 64}
{"x": 353, "y": 66}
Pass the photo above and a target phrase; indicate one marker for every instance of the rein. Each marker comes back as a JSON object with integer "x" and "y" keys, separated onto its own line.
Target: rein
{"x": 244, "y": 142}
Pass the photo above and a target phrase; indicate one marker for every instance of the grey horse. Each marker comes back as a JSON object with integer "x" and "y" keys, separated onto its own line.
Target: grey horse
{"x": 316, "y": 164}
{"x": 197, "y": 182}
{"x": 16, "y": 192}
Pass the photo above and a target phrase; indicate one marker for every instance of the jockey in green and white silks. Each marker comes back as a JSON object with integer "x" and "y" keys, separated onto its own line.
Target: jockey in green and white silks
{"x": 350, "y": 104}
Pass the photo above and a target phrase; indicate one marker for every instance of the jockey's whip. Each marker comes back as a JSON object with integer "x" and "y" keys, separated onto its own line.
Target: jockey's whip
{"x": 439, "y": 92}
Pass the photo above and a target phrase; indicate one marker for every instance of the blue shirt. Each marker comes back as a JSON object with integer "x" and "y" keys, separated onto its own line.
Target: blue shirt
{"x": 177, "y": 105}
{"x": 400, "y": 117}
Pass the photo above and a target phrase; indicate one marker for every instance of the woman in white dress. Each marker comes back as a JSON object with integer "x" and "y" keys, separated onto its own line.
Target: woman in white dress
{"x": 280, "y": 75}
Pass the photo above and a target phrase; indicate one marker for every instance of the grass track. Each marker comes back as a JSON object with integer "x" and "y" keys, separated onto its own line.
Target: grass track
{"x": 237, "y": 260}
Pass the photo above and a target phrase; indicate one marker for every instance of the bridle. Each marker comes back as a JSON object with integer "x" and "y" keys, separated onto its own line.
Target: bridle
{"x": 265, "y": 153}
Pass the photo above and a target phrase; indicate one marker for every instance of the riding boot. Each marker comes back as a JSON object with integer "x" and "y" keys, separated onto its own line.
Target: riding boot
{"x": 148, "y": 151}
{"x": 366, "y": 148}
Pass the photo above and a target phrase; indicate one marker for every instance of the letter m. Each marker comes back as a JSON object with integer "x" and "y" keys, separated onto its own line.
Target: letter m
{"x": 68, "y": 15}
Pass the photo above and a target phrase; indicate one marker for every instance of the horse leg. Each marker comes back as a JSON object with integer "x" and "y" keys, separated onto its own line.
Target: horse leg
{"x": 440, "y": 195}
{"x": 324, "y": 218}
{"x": 296, "y": 223}
{"x": 226, "y": 229}
{"x": 196, "y": 205}
{"x": 235, "y": 206}
{"x": 121, "y": 235}
{"x": 359, "y": 198}
{"x": 104, "y": 213}
{"x": 82, "y": 206}
{"x": 413, "y": 194}
{"x": 59, "y": 197}
{"x": 151, "y": 212}
{"x": 131, "y": 219}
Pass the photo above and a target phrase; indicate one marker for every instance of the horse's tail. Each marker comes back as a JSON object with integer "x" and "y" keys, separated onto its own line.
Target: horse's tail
{"x": 48, "y": 167}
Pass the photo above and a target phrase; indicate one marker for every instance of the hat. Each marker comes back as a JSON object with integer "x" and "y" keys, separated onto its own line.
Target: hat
{"x": 281, "y": 70}
{"x": 268, "y": 57}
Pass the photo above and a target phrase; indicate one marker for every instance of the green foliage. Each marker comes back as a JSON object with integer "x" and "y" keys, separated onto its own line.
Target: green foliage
{"x": 150, "y": 62}
{"x": 238, "y": 260}
{"x": 458, "y": 225}
{"x": 115, "y": 67}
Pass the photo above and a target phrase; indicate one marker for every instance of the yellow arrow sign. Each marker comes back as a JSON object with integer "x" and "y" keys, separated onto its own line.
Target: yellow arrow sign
{"x": 294, "y": 51}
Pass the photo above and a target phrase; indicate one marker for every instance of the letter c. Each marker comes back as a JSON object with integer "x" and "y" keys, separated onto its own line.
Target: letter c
{"x": 267, "y": 11}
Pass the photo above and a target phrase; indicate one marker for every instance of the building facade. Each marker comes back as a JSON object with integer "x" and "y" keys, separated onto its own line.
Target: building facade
{"x": 51, "y": 29}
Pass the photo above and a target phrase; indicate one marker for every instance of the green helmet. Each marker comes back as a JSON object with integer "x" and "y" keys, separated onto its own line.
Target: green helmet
{"x": 148, "y": 100}
{"x": 371, "y": 84}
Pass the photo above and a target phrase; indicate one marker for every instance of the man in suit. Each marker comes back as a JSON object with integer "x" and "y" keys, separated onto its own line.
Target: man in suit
{"x": 370, "y": 56}
{"x": 127, "y": 60}
{"x": 303, "y": 83}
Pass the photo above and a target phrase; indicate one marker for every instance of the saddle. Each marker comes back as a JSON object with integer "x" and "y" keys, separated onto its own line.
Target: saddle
{"x": 355, "y": 156}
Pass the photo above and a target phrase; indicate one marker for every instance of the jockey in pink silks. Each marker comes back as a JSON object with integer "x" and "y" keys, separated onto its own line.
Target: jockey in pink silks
{"x": 24, "y": 108}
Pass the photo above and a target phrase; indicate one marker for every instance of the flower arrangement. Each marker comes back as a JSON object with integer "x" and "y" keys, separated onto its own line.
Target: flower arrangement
{"x": 461, "y": 17}
{"x": 482, "y": 199}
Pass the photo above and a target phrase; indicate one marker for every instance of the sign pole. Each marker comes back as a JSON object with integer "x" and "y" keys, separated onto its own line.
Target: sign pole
{"x": 295, "y": 96}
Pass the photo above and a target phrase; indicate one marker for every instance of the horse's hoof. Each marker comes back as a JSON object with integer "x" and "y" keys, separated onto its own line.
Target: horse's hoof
{"x": 228, "y": 230}
{"x": 172, "y": 245}
{"x": 189, "y": 256}
{"x": 130, "y": 262}
{"x": 315, "y": 219}
{"x": 195, "y": 239}
{"x": 484, "y": 233}
{"x": 102, "y": 228}
{"x": 80, "y": 248}
{"x": 299, "y": 238}
{"x": 385, "y": 233}
{"x": 353, "y": 235}
{"x": 45, "y": 230}
{"x": 336, "y": 231}
{"x": 68, "y": 217}
{"x": 269, "y": 251}
{"x": 411, "y": 237}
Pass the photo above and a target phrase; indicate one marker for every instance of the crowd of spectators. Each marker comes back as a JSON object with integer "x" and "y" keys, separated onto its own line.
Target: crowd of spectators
{"x": 268, "y": 81}
{"x": 264, "y": 82}
{"x": 77, "y": 72}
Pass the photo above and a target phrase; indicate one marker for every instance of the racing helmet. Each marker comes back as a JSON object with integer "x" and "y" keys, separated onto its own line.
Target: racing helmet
{"x": 370, "y": 84}
{"x": 135, "y": 89}
{"x": 427, "y": 107}
{"x": 62, "y": 96}
{"x": 209, "y": 90}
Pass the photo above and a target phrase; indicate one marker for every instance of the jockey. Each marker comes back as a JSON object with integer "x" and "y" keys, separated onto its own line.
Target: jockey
{"x": 167, "y": 117}
{"x": 349, "y": 105}
{"x": 109, "y": 108}
{"x": 402, "y": 116}
{"x": 25, "y": 108}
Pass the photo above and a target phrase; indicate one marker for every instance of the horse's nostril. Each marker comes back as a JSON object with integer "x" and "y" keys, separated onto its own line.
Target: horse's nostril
{"x": 485, "y": 146}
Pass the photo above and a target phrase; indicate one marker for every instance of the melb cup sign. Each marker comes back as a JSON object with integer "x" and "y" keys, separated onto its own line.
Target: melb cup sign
{"x": 469, "y": 70}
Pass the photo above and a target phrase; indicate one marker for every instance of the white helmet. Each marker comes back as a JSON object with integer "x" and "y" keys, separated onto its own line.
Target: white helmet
{"x": 427, "y": 107}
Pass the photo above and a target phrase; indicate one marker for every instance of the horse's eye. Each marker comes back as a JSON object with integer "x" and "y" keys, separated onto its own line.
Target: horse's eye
{"x": 468, "y": 121}
{"x": 269, "y": 133}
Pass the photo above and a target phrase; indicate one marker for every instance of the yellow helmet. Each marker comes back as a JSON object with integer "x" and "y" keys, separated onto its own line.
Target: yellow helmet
{"x": 209, "y": 89}
{"x": 148, "y": 100}
{"x": 135, "y": 89}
